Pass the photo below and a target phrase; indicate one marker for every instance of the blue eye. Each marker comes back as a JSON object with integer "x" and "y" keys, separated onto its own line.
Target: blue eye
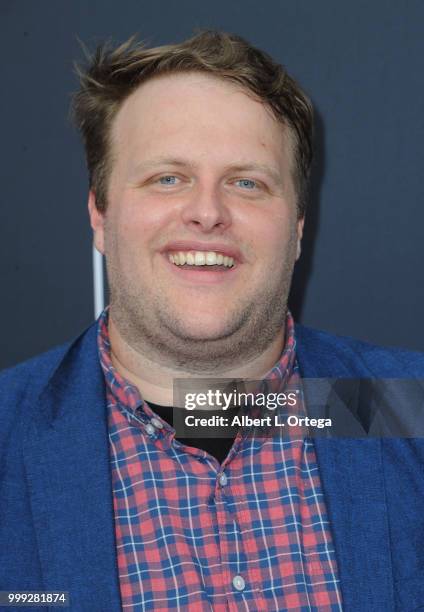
{"x": 247, "y": 183}
{"x": 168, "y": 180}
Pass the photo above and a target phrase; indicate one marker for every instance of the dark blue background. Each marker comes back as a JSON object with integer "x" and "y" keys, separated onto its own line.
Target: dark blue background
{"x": 361, "y": 62}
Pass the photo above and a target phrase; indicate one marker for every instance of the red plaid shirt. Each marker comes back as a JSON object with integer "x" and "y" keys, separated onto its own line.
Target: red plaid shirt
{"x": 249, "y": 534}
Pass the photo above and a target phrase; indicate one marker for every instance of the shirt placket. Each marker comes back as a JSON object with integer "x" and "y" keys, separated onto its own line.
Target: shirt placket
{"x": 241, "y": 583}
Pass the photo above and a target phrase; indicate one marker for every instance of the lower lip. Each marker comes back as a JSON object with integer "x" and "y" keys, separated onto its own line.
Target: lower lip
{"x": 202, "y": 277}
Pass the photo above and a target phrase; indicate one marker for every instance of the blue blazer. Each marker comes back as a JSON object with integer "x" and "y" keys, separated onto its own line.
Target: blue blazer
{"x": 56, "y": 511}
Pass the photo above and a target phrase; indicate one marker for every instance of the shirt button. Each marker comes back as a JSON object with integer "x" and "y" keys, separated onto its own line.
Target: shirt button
{"x": 223, "y": 479}
{"x": 150, "y": 429}
{"x": 238, "y": 583}
{"x": 156, "y": 423}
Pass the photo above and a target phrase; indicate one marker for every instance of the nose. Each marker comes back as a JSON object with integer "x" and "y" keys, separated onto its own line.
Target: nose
{"x": 206, "y": 210}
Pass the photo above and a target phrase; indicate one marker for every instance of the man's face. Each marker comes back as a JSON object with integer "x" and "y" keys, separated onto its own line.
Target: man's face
{"x": 198, "y": 167}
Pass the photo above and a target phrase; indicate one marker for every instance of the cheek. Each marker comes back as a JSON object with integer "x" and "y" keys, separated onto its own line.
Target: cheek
{"x": 144, "y": 220}
{"x": 128, "y": 229}
{"x": 273, "y": 236}
{"x": 131, "y": 243}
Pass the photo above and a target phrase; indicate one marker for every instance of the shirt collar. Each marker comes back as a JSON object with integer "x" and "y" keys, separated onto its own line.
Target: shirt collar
{"x": 127, "y": 393}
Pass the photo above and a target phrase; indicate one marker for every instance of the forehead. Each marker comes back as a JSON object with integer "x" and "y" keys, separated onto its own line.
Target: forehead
{"x": 201, "y": 115}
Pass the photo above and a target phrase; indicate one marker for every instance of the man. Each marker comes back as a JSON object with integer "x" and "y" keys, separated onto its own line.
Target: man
{"x": 198, "y": 157}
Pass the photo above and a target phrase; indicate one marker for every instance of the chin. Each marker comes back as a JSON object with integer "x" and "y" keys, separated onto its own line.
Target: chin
{"x": 203, "y": 328}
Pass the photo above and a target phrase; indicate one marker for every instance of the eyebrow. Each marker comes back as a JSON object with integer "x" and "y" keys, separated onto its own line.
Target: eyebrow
{"x": 235, "y": 167}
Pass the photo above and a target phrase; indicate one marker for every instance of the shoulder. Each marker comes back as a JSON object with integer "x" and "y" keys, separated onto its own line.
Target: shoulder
{"x": 22, "y": 386}
{"x": 29, "y": 378}
{"x": 337, "y": 355}
{"x": 33, "y": 372}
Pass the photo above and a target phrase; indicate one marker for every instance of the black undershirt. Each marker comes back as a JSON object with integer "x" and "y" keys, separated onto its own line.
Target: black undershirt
{"x": 221, "y": 438}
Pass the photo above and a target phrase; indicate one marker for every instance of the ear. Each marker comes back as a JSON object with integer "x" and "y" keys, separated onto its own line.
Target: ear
{"x": 97, "y": 222}
{"x": 300, "y": 225}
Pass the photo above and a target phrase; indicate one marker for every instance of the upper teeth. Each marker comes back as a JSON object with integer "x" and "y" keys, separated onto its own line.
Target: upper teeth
{"x": 201, "y": 258}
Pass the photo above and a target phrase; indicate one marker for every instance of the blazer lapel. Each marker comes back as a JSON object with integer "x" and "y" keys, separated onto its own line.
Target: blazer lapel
{"x": 66, "y": 456}
{"x": 351, "y": 473}
{"x": 352, "y": 480}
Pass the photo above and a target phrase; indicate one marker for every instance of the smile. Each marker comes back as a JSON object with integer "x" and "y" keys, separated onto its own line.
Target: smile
{"x": 201, "y": 258}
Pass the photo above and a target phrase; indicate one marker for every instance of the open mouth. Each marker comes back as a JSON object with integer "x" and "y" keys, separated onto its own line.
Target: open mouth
{"x": 201, "y": 267}
{"x": 207, "y": 261}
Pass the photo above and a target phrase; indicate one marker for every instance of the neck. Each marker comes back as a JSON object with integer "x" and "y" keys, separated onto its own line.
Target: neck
{"x": 155, "y": 381}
